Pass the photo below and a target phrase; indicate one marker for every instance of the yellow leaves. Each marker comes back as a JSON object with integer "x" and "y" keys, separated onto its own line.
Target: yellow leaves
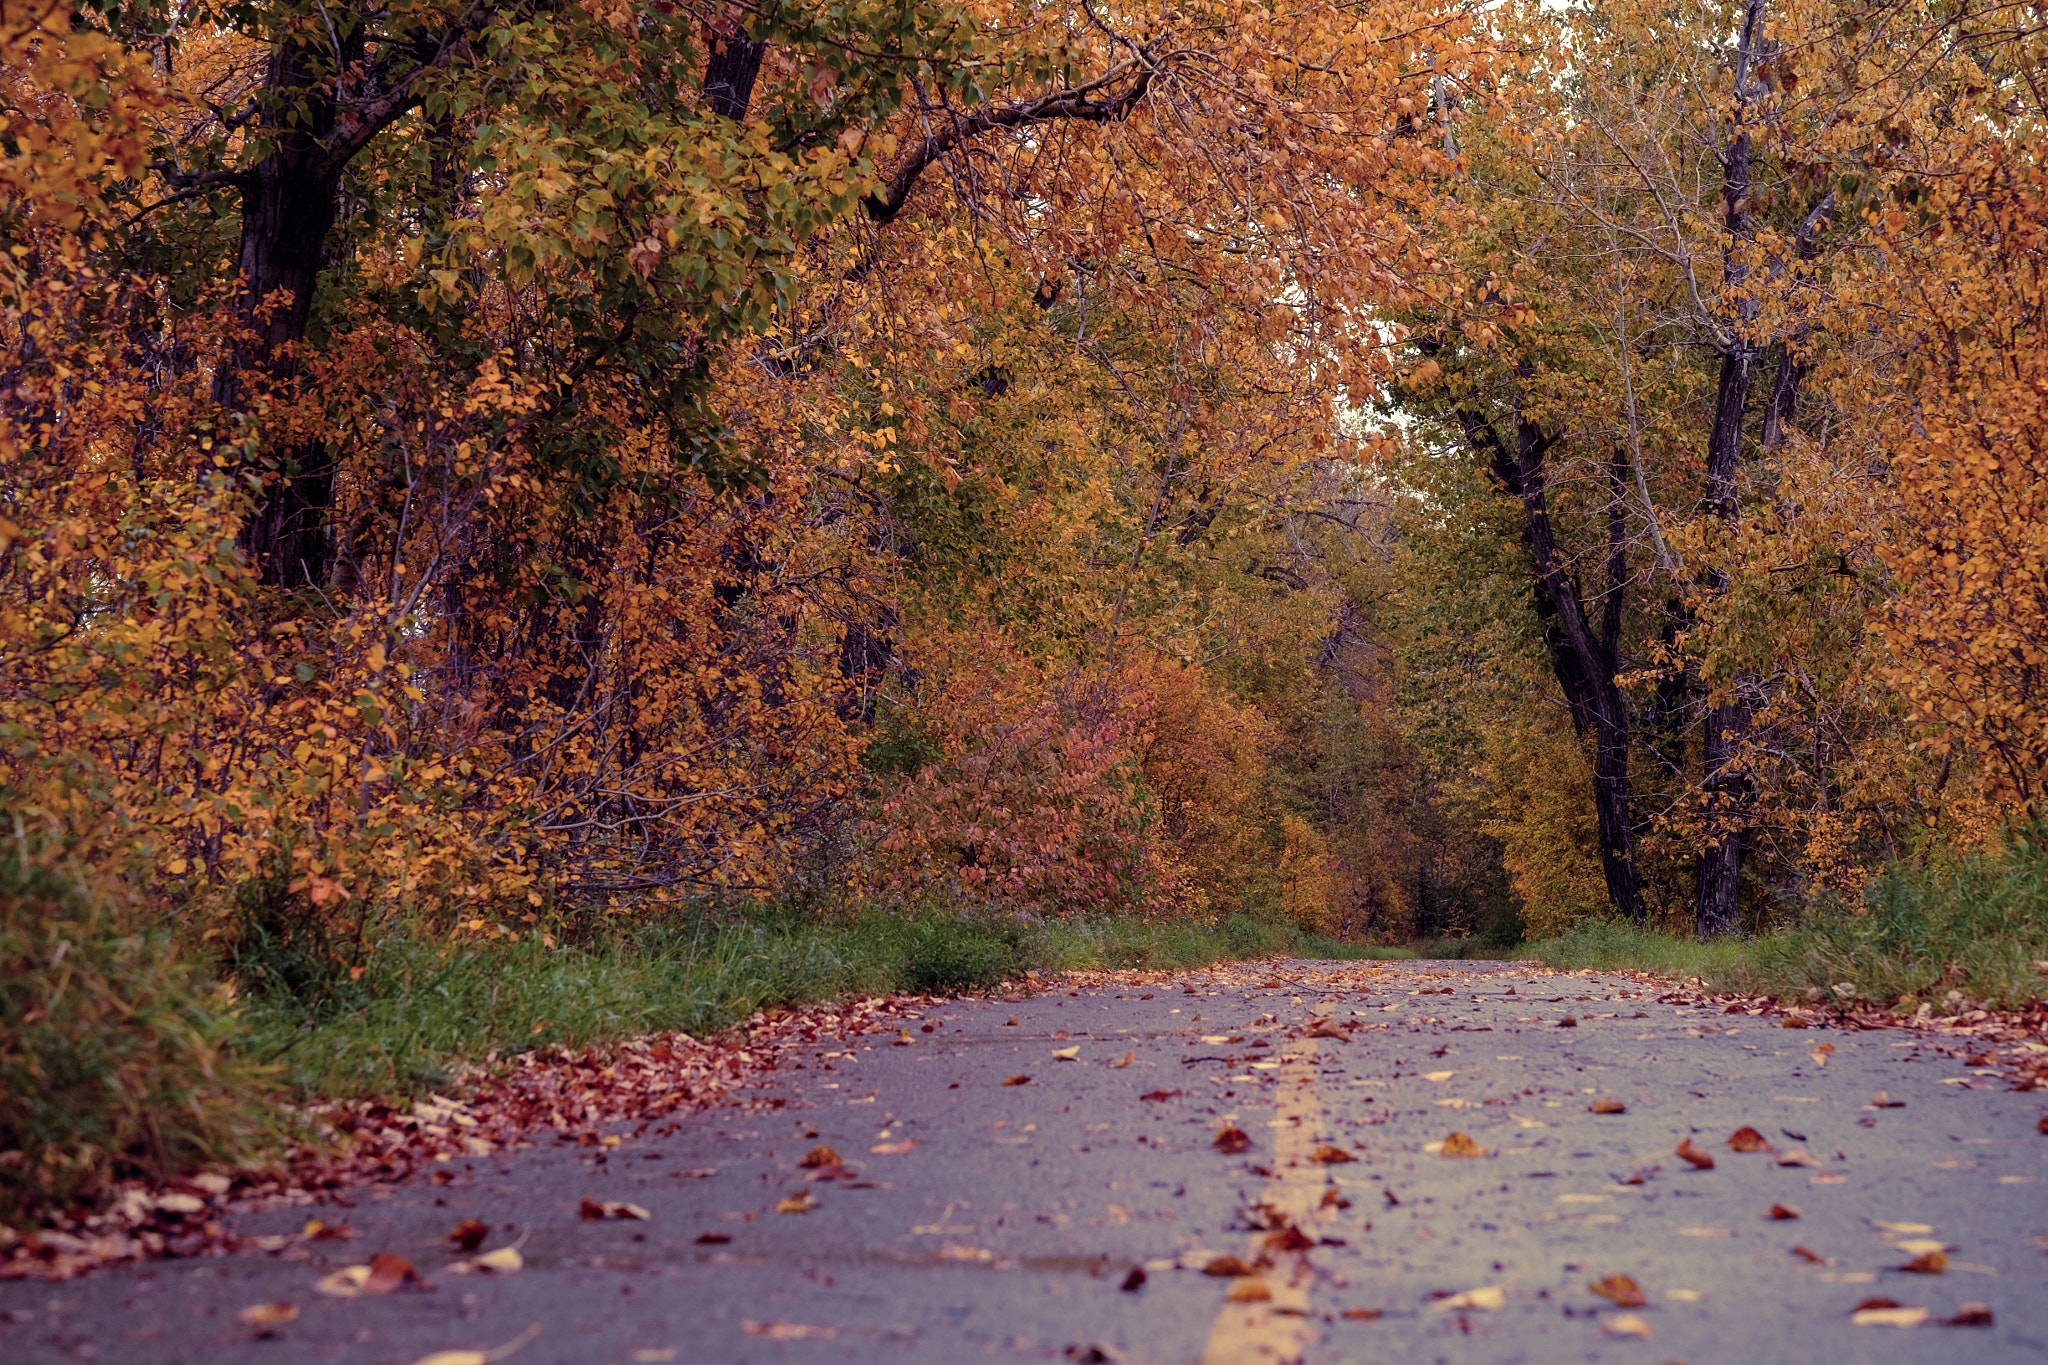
{"x": 1460, "y": 1145}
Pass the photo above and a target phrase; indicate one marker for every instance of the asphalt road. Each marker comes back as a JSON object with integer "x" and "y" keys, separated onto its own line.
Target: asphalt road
{"x": 978, "y": 1220}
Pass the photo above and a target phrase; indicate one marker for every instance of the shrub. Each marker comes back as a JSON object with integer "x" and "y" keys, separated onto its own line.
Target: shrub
{"x": 114, "y": 1061}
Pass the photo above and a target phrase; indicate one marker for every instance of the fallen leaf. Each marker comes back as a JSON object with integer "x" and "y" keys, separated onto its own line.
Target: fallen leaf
{"x": 345, "y": 1283}
{"x": 1809, "y": 1256}
{"x": 1325, "y": 1029}
{"x": 713, "y": 1239}
{"x": 1888, "y": 1317}
{"x": 788, "y": 1331}
{"x": 1913, "y": 1246}
{"x": 1746, "y": 1139}
{"x": 1134, "y": 1281}
{"x": 1796, "y": 1157}
{"x": 1460, "y": 1145}
{"x": 1782, "y": 1213}
{"x": 469, "y": 1234}
{"x": 503, "y": 1261}
{"x": 826, "y": 1173}
{"x": 180, "y": 1203}
{"x": 266, "y": 1317}
{"x": 2042, "y": 1125}
{"x": 1486, "y": 1300}
{"x": 1821, "y": 1054}
{"x": 1231, "y": 1141}
{"x": 1901, "y": 1229}
{"x": 1157, "y": 1095}
{"x": 1695, "y": 1155}
{"x": 1066, "y": 1054}
{"x": 1568, "y": 1022}
{"x": 1641, "y": 1175}
{"x": 1361, "y": 1314}
{"x": 381, "y": 1275}
{"x": 1627, "y": 1325}
{"x": 1883, "y": 1101}
{"x": 1289, "y": 1238}
{"x": 1018, "y": 1080}
{"x": 591, "y": 1210}
{"x": 1226, "y": 1267}
{"x": 317, "y": 1231}
{"x": 1438, "y": 1075}
{"x": 388, "y": 1272}
{"x": 496, "y": 1353}
{"x": 820, "y": 1156}
{"x": 902, "y": 1148}
{"x": 1129, "y": 1057}
{"x": 1926, "y": 1263}
{"x": 1607, "y": 1104}
{"x": 903, "y": 1038}
{"x": 1330, "y": 1156}
{"x": 797, "y": 1203}
{"x": 1970, "y": 1315}
{"x": 1620, "y": 1290}
{"x": 1250, "y": 1291}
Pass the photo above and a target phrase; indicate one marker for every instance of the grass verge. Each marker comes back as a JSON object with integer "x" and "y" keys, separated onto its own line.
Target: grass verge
{"x": 1969, "y": 930}
{"x": 424, "y": 1008}
{"x": 117, "y": 1059}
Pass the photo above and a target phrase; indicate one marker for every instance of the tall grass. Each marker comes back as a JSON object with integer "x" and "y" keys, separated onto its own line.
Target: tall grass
{"x": 117, "y": 1057}
{"x": 423, "y": 1008}
{"x": 1970, "y": 929}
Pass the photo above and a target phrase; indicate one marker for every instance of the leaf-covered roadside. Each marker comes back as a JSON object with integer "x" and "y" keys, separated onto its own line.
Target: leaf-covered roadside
{"x": 551, "y": 1093}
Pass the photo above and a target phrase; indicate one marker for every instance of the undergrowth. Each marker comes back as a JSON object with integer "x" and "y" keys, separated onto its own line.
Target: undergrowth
{"x": 117, "y": 1057}
{"x": 422, "y": 1008}
{"x": 1966, "y": 931}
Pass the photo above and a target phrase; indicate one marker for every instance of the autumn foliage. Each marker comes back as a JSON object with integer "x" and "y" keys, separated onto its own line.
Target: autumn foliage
{"x": 582, "y": 459}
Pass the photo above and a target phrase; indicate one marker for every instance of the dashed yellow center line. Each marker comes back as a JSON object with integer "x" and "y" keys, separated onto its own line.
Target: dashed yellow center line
{"x": 1279, "y": 1329}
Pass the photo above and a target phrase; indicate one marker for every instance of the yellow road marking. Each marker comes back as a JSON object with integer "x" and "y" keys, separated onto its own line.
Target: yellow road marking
{"x": 1280, "y": 1330}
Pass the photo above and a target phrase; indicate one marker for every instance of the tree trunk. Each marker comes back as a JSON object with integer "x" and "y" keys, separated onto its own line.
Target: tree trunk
{"x": 729, "y": 75}
{"x": 1584, "y": 663}
{"x": 289, "y": 201}
{"x": 1727, "y": 791}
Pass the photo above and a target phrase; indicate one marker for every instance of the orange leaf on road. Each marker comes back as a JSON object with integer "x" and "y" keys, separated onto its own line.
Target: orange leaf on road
{"x": 1696, "y": 1155}
{"x": 1231, "y": 1141}
{"x": 1460, "y": 1145}
{"x": 1620, "y": 1290}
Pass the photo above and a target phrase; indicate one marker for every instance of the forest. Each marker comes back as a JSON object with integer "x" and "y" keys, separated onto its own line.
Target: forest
{"x": 486, "y": 474}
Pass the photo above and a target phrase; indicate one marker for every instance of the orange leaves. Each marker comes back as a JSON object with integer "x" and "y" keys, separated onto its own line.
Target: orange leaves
{"x": 1695, "y": 1155}
{"x": 1461, "y": 1145}
{"x": 1233, "y": 1141}
{"x": 1747, "y": 1139}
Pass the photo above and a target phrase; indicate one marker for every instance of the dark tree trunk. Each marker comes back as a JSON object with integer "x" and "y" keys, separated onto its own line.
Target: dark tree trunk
{"x": 1596, "y": 657}
{"x": 1727, "y": 790}
{"x": 289, "y": 201}
{"x": 729, "y": 75}
{"x": 1583, "y": 661}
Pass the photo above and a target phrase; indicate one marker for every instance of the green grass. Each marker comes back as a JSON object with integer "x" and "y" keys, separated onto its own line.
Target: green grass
{"x": 423, "y": 1008}
{"x": 1967, "y": 930}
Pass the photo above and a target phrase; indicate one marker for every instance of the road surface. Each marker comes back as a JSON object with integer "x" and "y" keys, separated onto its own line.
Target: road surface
{"x": 1078, "y": 1215}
